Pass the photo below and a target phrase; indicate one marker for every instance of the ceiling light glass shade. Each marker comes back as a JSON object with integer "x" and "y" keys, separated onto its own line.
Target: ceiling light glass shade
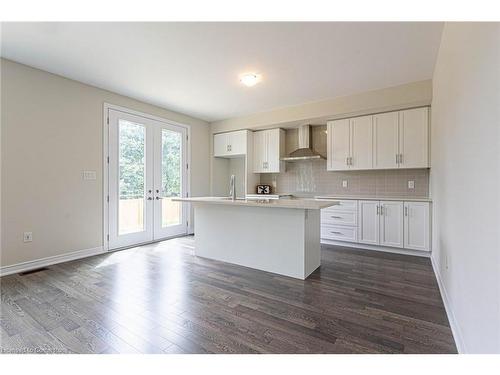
{"x": 249, "y": 79}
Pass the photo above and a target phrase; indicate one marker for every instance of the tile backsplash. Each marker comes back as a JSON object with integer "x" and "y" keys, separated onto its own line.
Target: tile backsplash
{"x": 311, "y": 178}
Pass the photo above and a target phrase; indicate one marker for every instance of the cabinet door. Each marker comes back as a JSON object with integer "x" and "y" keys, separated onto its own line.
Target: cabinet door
{"x": 414, "y": 138}
{"x": 273, "y": 150}
{"x": 220, "y": 145}
{"x": 385, "y": 140}
{"x": 361, "y": 143}
{"x": 391, "y": 223}
{"x": 368, "y": 220}
{"x": 237, "y": 142}
{"x": 259, "y": 149}
{"x": 338, "y": 145}
{"x": 416, "y": 226}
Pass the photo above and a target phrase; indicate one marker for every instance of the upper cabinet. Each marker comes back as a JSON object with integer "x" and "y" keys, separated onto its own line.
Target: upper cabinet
{"x": 361, "y": 143}
{"x": 338, "y": 145}
{"x": 382, "y": 141}
{"x": 385, "y": 140}
{"x": 230, "y": 144}
{"x": 349, "y": 144}
{"x": 268, "y": 148}
{"x": 414, "y": 138}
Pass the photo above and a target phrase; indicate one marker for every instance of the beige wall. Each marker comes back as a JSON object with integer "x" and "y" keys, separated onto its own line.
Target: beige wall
{"x": 393, "y": 98}
{"x": 465, "y": 182}
{"x": 52, "y": 131}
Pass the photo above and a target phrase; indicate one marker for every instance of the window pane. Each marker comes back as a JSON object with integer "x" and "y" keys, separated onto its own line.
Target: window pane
{"x": 131, "y": 174}
{"x": 171, "y": 177}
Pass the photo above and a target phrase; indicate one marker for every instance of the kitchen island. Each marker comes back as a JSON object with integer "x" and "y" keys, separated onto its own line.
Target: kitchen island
{"x": 279, "y": 235}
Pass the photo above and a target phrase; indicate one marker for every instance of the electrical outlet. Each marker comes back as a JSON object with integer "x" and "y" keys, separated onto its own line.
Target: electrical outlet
{"x": 411, "y": 184}
{"x": 28, "y": 236}
{"x": 344, "y": 183}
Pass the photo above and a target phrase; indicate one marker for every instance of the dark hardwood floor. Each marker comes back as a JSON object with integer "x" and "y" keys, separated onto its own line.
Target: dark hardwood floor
{"x": 162, "y": 299}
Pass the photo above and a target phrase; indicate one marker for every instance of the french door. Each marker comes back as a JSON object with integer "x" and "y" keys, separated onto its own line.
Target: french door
{"x": 147, "y": 168}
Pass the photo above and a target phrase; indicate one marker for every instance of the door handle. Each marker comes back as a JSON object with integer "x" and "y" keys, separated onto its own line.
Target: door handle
{"x": 406, "y": 211}
{"x": 336, "y": 217}
{"x": 400, "y": 158}
{"x": 339, "y": 233}
{"x": 150, "y": 199}
{"x": 158, "y": 198}
{"x": 378, "y": 210}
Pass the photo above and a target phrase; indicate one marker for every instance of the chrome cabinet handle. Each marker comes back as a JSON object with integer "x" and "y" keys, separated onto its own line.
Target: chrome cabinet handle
{"x": 406, "y": 211}
{"x": 150, "y": 199}
{"x": 397, "y": 158}
{"x": 339, "y": 233}
{"x": 378, "y": 210}
{"x": 336, "y": 217}
{"x": 400, "y": 158}
{"x": 158, "y": 198}
{"x": 346, "y": 161}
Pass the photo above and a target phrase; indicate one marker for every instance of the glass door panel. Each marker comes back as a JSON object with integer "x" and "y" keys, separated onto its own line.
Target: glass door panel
{"x": 130, "y": 178}
{"x": 171, "y": 177}
{"x": 132, "y": 152}
{"x": 170, "y": 181}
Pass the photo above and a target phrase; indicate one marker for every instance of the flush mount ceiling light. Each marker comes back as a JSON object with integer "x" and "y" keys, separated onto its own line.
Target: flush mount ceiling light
{"x": 249, "y": 79}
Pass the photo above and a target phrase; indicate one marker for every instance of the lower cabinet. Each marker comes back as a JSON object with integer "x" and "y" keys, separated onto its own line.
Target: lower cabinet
{"x": 380, "y": 223}
{"x": 391, "y": 223}
{"x": 417, "y": 226}
{"x": 369, "y": 223}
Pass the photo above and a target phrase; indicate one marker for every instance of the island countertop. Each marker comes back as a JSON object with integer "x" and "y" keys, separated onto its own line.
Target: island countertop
{"x": 297, "y": 203}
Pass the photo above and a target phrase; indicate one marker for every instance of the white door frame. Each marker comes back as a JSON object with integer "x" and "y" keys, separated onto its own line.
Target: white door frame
{"x": 105, "y": 164}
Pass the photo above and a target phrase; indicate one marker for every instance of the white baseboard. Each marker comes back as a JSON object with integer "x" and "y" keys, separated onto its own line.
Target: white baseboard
{"x": 384, "y": 249}
{"x": 455, "y": 328}
{"x": 44, "y": 262}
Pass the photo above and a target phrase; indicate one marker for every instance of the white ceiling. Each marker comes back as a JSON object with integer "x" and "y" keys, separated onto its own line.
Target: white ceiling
{"x": 193, "y": 68}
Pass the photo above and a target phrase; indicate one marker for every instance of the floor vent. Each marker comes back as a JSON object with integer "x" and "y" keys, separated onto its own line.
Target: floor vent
{"x": 33, "y": 271}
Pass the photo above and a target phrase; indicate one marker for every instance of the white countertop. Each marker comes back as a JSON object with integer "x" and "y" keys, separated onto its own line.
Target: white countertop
{"x": 297, "y": 203}
{"x": 365, "y": 198}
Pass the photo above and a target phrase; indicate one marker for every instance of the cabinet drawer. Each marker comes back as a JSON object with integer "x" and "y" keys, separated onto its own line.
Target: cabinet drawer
{"x": 344, "y": 205}
{"x": 332, "y": 232}
{"x": 339, "y": 217}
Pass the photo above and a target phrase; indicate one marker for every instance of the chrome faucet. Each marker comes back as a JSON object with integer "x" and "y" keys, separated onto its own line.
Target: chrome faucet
{"x": 232, "y": 188}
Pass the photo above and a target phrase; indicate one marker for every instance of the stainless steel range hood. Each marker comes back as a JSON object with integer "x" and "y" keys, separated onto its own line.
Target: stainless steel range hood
{"x": 305, "y": 151}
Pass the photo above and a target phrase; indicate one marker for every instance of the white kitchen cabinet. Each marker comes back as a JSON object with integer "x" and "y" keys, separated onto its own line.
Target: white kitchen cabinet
{"x": 361, "y": 138}
{"x": 414, "y": 138}
{"x": 339, "y": 217}
{"x": 268, "y": 148}
{"x": 417, "y": 226}
{"x": 391, "y": 223}
{"x": 338, "y": 145}
{"x": 259, "y": 151}
{"x": 389, "y": 140}
{"x": 386, "y": 140}
{"x": 339, "y": 233}
{"x": 369, "y": 223}
{"x": 380, "y": 224}
{"x": 349, "y": 144}
{"x": 230, "y": 144}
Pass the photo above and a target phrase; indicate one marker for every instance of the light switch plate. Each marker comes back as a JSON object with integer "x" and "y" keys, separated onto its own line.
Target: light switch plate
{"x": 89, "y": 175}
{"x": 411, "y": 184}
{"x": 344, "y": 183}
{"x": 28, "y": 236}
